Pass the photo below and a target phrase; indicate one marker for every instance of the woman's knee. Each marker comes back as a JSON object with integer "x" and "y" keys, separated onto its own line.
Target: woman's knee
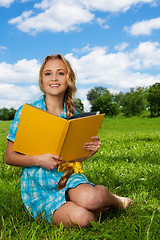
{"x": 86, "y": 196}
{"x": 83, "y": 217}
{"x": 71, "y": 214}
{"x": 91, "y": 199}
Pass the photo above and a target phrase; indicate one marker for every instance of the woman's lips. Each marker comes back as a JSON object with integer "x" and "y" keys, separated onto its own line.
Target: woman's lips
{"x": 54, "y": 85}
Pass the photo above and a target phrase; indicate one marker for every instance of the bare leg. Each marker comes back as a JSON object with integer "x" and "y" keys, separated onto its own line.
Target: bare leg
{"x": 96, "y": 198}
{"x": 71, "y": 214}
{"x": 114, "y": 200}
{"x": 84, "y": 204}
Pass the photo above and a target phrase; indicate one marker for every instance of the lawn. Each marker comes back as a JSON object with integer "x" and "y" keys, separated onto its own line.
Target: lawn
{"x": 128, "y": 163}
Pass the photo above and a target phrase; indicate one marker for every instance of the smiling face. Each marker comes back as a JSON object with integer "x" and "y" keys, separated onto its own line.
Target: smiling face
{"x": 54, "y": 77}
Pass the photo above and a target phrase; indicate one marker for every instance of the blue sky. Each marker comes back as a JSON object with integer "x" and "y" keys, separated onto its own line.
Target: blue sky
{"x": 109, "y": 43}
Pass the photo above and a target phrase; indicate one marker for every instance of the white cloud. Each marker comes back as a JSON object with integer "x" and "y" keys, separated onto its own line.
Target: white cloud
{"x": 3, "y": 48}
{"x": 137, "y": 79}
{"x": 7, "y": 103}
{"x": 83, "y": 50}
{"x": 87, "y": 105}
{"x": 57, "y": 16}
{"x": 14, "y": 96}
{"x": 146, "y": 56}
{"x": 97, "y": 67}
{"x": 113, "y": 91}
{"x": 21, "y": 18}
{"x": 102, "y": 23}
{"x": 23, "y": 1}
{"x": 144, "y": 27}
{"x": 113, "y": 5}
{"x": 20, "y": 72}
{"x": 44, "y": 4}
{"x": 61, "y": 16}
{"x": 12, "y": 91}
{"x": 118, "y": 71}
{"x": 6, "y": 3}
{"x": 17, "y": 82}
{"x": 82, "y": 92}
{"x": 121, "y": 47}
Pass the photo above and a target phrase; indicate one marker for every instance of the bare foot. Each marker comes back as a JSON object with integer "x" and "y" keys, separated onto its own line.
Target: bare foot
{"x": 124, "y": 202}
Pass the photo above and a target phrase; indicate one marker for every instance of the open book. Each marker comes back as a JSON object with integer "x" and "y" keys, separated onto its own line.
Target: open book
{"x": 41, "y": 132}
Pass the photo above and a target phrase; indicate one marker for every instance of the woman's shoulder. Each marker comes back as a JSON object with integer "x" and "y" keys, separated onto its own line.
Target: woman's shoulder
{"x": 18, "y": 112}
{"x": 40, "y": 103}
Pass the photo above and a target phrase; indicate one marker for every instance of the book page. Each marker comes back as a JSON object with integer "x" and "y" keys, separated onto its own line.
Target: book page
{"x": 80, "y": 131}
{"x": 39, "y": 132}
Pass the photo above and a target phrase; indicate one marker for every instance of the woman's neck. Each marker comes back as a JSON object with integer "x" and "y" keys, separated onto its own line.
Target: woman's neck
{"x": 54, "y": 104}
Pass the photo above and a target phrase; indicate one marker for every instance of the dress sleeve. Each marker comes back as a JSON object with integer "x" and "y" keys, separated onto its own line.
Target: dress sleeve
{"x": 14, "y": 125}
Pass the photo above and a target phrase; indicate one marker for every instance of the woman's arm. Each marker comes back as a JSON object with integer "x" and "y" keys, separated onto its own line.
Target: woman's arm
{"x": 93, "y": 147}
{"x": 47, "y": 161}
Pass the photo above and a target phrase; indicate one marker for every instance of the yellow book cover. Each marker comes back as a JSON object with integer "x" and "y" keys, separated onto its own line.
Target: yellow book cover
{"x": 41, "y": 132}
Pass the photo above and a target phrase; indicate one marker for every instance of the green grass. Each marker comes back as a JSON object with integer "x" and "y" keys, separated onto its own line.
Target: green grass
{"x": 128, "y": 163}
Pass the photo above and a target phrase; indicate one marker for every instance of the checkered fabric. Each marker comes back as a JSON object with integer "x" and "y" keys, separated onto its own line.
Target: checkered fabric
{"x": 38, "y": 185}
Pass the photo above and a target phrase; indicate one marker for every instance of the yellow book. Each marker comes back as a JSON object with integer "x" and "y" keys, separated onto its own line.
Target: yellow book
{"x": 40, "y": 132}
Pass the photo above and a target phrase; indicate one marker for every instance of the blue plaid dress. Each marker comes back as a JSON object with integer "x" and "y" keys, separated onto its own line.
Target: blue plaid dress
{"x": 38, "y": 185}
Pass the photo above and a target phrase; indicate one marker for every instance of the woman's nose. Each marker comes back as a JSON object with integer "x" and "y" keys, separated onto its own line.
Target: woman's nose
{"x": 54, "y": 76}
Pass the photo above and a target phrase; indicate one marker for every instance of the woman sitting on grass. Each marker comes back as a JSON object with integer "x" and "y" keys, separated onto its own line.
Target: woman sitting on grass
{"x": 78, "y": 201}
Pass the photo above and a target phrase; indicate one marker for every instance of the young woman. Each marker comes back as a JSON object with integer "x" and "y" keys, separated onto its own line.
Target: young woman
{"x": 79, "y": 201}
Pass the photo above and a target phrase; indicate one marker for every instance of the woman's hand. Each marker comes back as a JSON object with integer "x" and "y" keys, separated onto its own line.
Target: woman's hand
{"x": 94, "y": 146}
{"x": 48, "y": 161}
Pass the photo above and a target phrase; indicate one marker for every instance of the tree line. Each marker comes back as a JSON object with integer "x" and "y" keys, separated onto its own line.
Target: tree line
{"x": 132, "y": 103}
{"x": 7, "y": 114}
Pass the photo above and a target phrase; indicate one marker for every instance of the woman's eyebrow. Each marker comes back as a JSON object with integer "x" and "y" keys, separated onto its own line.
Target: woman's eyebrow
{"x": 49, "y": 70}
{"x": 61, "y": 69}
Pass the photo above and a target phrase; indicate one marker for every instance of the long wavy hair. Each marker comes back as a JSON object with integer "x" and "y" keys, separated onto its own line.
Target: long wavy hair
{"x": 68, "y": 100}
{"x": 70, "y": 92}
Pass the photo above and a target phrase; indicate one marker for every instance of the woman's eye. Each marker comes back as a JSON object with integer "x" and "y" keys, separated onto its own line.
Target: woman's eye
{"x": 47, "y": 74}
{"x": 61, "y": 73}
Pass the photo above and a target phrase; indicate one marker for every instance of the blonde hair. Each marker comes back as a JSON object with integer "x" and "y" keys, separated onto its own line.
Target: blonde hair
{"x": 70, "y": 92}
{"x": 68, "y": 100}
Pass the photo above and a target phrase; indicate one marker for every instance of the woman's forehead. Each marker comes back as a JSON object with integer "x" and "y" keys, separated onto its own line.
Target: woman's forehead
{"x": 55, "y": 64}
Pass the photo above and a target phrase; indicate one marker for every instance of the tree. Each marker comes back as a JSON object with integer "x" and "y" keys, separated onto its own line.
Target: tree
{"x": 12, "y": 112}
{"x": 154, "y": 99}
{"x": 78, "y": 105}
{"x": 95, "y": 93}
{"x": 102, "y": 100}
{"x": 7, "y": 114}
{"x": 133, "y": 102}
{"x": 118, "y": 98}
{"x": 4, "y": 115}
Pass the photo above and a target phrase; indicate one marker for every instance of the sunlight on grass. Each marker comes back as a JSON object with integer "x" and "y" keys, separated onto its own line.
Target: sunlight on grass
{"x": 128, "y": 163}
